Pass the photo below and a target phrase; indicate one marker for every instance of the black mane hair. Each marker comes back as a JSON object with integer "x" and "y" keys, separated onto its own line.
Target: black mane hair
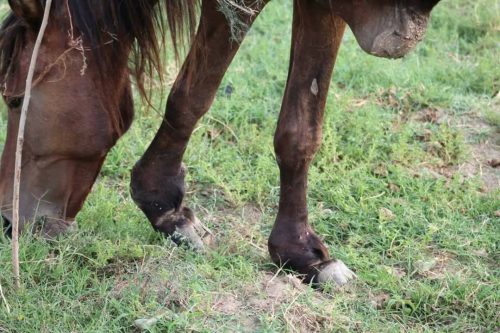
{"x": 144, "y": 22}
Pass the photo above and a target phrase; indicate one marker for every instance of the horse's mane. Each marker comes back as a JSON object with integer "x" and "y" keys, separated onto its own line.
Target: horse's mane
{"x": 98, "y": 21}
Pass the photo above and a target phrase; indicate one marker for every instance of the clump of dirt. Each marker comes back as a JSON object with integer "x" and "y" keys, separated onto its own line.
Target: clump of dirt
{"x": 401, "y": 100}
{"x": 379, "y": 300}
{"x": 431, "y": 115}
{"x": 236, "y": 227}
{"x": 483, "y": 163}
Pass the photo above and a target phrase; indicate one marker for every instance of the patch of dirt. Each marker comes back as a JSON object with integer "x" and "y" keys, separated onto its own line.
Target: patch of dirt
{"x": 283, "y": 296}
{"x": 227, "y": 304}
{"x": 237, "y": 227}
{"x": 385, "y": 215}
{"x": 484, "y": 155}
{"x": 431, "y": 115}
{"x": 483, "y": 163}
{"x": 402, "y": 101}
{"x": 279, "y": 298}
{"x": 437, "y": 266}
{"x": 276, "y": 296}
{"x": 483, "y": 140}
{"x": 270, "y": 295}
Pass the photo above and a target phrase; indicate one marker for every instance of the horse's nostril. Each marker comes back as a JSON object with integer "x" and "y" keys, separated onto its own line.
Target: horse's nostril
{"x": 6, "y": 226}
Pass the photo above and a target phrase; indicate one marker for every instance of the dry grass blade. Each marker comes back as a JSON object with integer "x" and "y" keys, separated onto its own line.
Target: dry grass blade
{"x": 4, "y": 299}
{"x": 20, "y": 142}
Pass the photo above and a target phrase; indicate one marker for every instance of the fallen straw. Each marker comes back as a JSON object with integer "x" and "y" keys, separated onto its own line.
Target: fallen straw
{"x": 20, "y": 143}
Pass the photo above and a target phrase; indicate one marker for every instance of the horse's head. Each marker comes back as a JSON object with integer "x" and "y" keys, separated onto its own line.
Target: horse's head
{"x": 78, "y": 110}
{"x": 386, "y": 28}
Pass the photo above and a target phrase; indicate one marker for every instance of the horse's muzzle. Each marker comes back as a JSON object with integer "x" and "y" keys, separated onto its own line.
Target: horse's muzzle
{"x": 393, "y": 34}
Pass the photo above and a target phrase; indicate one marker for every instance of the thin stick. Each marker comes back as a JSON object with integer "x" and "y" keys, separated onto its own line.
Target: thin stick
{"x": 4, "y": 299}
{"x": 20, "y": 143}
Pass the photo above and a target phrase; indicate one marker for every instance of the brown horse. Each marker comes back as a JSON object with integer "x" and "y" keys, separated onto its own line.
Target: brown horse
{"x": 82, "y": 104}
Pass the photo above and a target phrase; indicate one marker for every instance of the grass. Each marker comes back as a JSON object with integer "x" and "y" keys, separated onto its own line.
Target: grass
{"x": 388, "y": 192}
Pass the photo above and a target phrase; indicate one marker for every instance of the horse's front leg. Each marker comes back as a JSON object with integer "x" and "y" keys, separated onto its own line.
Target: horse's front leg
{"x": 317, "y": 34}
{"x": 157, "y": 184}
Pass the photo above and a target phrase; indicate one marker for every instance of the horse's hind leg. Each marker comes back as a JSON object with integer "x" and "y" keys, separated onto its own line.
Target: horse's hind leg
{"x": 317, "y": 35}
{"x": 157, "y": 184}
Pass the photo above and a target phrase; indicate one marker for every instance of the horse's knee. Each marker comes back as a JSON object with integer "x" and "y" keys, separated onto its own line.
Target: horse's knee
{"x": 295, "y": 146}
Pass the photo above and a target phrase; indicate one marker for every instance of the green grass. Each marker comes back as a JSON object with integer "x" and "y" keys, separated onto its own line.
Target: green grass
{"x": 387, "y": 193}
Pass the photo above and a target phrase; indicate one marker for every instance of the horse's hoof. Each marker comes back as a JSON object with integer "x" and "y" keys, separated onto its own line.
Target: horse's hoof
{"x": 196, "y": 236}
{"x": 184, "y": 228}
{"x": 51, "y": 229}
{"x": 187, "y": 235}
{"x": 335, "y": 271}
{"x": 191, "y": 232}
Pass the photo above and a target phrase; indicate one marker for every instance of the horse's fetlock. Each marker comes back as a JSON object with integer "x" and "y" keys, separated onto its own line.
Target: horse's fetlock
{"x": 156, "y": 194}
{"x": 297, "y": 248}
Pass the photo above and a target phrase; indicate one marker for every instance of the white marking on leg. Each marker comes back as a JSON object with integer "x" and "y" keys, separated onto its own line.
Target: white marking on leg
{"x": 314, "y": 87}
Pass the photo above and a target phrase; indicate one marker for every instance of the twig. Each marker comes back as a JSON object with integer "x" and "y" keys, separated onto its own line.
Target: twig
{"x": 20, "y": 143}
{"x": 4, "y": 299}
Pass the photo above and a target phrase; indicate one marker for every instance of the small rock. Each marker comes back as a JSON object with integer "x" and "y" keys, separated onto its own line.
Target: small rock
{"x": 146, "y": 324}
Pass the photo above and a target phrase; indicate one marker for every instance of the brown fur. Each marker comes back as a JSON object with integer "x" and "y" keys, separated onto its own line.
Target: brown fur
{"x": 132, "y": 26}
{"x": 61, "y": 165}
